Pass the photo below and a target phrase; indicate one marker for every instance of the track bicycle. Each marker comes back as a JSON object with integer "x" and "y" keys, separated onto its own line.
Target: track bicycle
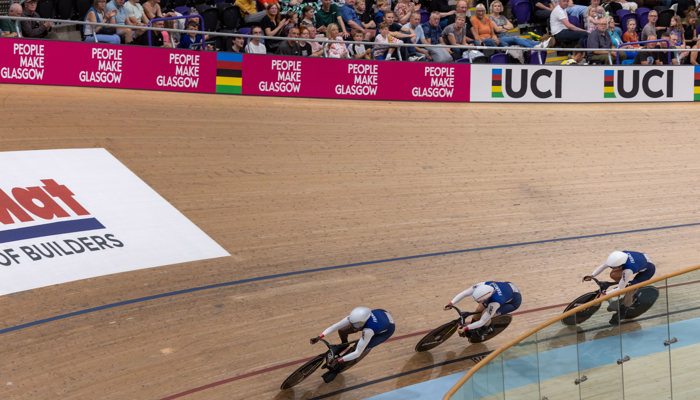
{"x": 322, "y": 361}
{"x": 642, "y": 301}
{"x": 440, "y": 334}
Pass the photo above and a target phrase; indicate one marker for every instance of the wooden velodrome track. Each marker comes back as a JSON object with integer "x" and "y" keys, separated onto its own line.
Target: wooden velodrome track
{"x": 412, "y": 201}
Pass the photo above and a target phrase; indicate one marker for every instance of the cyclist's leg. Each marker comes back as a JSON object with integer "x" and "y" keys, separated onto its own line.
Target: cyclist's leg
{"x": 640, "y": 277}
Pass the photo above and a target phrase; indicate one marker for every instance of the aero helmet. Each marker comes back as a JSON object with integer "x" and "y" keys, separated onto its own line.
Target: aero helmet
{"x": 358, "y": 316}
{"x": 482, "y": 293}
{"x": 616, "y": 258}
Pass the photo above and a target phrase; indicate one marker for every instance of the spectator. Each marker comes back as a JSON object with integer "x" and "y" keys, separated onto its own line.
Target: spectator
{"x": 33, "y": 29}
{"x": 616, "y": 39}
{"x": 254, "y": 46}
{"x": 290, "y": 47}
{"x": 413, "y": 25}
{"x": 627, "y": 5}
{"x": 562, "y": 29}
{"x": 650, "y": 57}
{"x": 307, "y": 17}
{"x": 694, "y": 54}
{"x": 630, "y": 34}
{"x": 157, "y": 38}
{"x": 482, "y": 28}
{"x": 433, "y": 34}
{"x": 676, "y": 26}
{"x": 306, "y": 50}
{"x": 190, "y": 38}
{"x": 103, "y": 34}
{"x": 153, "y": 10}
{"x": 316, "y": 47}
{"x": 457, "y": 34}
{"x": 689, "y": 32}
{"x": 335, "y": 49}
{"x": 126, "y": 35}
{"x": 329, "y": 13}
{"x": 443, "y": 7}
{"x": 397, "y": 31}
{"x": 502, "y": 25}
{"x": 599, "y": 39}
{"x": 650, "y": 28}
{"x": 272, "y": 25}
{"x": 238, "y": 45}
{"x": 461, "y": 7}
{"x": 7, "y": 26}
{"x": 352, "y": 21}
{"x": 382, "y": 8}
{"x": 248, "y": 12}
{"x": 577, "y": 11}
{"x": 593, "y": 16}
{"x": 365, "y": 17}
{"x": 292, "y": 21}
{"x": 679, "y": 57}
{"x": 291, "y": 5}
{"x": 135, "y": 15}
{"x": 543, "y": 9}
{"x": 382, "y": 50}
{"x": 358, "y": 51}
{"x": 575, "y": 59}
{"x": 404, "y": 9}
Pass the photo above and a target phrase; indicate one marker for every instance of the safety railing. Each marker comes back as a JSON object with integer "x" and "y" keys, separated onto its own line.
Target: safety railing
{"x": 536, "y": 52}
{"x": 653, "y": 356}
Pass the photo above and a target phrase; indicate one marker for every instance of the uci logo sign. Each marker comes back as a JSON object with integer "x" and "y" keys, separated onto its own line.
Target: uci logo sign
{"x": 628, "y": 84}
{"x": 516, "y": 84}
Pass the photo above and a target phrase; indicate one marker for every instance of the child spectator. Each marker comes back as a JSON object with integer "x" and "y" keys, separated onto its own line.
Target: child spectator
{"x": 382, "y": 50}
{"x": 358, "y": 51}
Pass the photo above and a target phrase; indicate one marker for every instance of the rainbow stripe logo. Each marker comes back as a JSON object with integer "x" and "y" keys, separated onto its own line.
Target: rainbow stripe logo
{"x": 229, "y": 73}
{"x": 497, "y": 83}
{"x": 609, "y": 84}
{"x": 696, "y": 88}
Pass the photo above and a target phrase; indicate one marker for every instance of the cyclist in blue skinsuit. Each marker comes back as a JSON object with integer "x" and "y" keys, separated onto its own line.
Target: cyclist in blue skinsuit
{"x": 494, "y": 298}
{"x": 636, "y": 267}
{"x": 376, "y": 325}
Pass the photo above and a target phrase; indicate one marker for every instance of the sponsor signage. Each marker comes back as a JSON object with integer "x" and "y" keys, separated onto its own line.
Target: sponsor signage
{"x": 538, "y": 83}
{"x": 99, "y": 65}
{"x": 73, "y": 214}
{"x": 348, "y": 79}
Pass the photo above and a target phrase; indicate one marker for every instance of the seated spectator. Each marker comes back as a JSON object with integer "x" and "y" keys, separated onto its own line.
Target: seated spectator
{"x": 677, "y": 27}
{"x": 630, "y": 34}
{"x": 482, "y": 28}
{"x": 382, "y": 8}
{"x": 254, "y": 45}
{"x": 290, "y": 47}
{"x": 135, "y": 15}
{"x": 365, "y": 17}
{"x": 291, "y": 5}
{"x": 543, "y": 9}
{"x": 627, "y": 5}
{"x": 157, "y": 38}
{"x": 306, "y": 50}
{"x": 307, "y": 16}
{"x": 599, "y": 39}
{"x": 650, "y": 28}
{"x": 272, "y": 24}
{"x": 445, "y": 10}
{"x": 650, "y": 57}
{"x": 457, "y": 34}
{"x": 501, "y": 25}
{"x": 152, "y": 10}
{"x": 316, "y": 47}
{"x": 189, "y": 39}
{"x": 335, "y": 49}
{"x": 352, "y": 20}
{"x": 404, "y": 9}
{"x": 562, "y": 29}
{"x": 358, "y": 51}
{"x": 577, "y": 11}
{"x": 689, "y": 31}
{"x": 292, "y": 21}
{"x": 329, "y": 13}
{"x": 34, "y": 29}
{"x": 126, "y": 35}
{"x": 593, "y": 16}
{"x": 576, "y": 58}
{"x": 694, "y": 54}
{"x": 461, "y": 7}
{"x": 7, "y": 26}
{"x": 413, "y": 26}
{"x": 238, "y": 45}
{"x": 433, "y": 34}
{"x": 248, "y": 12}
{"x": 382, "y": 50}
{"x": 678, "y": 57}
{"x": 103, "y": 34}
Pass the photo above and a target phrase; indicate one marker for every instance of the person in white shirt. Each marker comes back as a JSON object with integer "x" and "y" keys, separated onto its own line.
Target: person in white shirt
{"x": 562, "y": 29}
{"x": 254, "y": 45}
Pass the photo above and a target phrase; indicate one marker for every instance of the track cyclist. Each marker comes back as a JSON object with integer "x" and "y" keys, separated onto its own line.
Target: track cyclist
{"x": 494, "y": 298}
{"x": 632, "y": 267}
{"x": 376, "y": 326}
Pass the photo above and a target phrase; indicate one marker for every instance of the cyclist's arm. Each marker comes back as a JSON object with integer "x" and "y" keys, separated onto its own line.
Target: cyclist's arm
{"x": 599, "y": 270}
{"x": 464, "y": 294}
{"x": 343, "y": 323}
{"x": 361, "y": 346}
{"x": 486, "y": 316}
{"x": 627, "y": 276}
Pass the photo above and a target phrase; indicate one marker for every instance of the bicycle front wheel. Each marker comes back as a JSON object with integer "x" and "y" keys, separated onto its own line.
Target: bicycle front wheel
{"x": 303, "y": 372}
{"x": 582, "y": 315}
{"x": 437, "y": 336}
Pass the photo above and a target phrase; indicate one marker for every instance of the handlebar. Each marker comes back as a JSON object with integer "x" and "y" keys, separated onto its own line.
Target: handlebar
{"x": 463, "y": 314}
{"x": 602, "y": 285}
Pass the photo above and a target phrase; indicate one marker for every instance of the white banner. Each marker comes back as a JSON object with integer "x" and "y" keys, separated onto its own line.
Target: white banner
{"x": 67, "y": 215}
{"x": 545, "y": 83}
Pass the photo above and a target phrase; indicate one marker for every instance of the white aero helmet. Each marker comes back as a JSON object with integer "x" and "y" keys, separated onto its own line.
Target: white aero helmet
{"x": 358, "y": 316}
{"x": 616, "y": 258}
{"x": 482, "y": 292}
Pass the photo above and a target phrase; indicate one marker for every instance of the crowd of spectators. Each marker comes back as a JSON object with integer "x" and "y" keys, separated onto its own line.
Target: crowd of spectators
{"x": 386, "y": 24}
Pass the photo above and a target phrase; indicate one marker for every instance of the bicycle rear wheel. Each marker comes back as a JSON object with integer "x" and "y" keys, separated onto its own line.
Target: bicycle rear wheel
{"x": 499, "y": 323}
{"x": 303, "y": 372}
{"x": 437, "y": 336}
{"x": 582, "y": 315}
{"x": 643, "y": 300}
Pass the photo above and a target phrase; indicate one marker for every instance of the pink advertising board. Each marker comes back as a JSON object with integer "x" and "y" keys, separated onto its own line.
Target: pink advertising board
{"x": 349, "y": 79}
{"x": 98, "y": 65}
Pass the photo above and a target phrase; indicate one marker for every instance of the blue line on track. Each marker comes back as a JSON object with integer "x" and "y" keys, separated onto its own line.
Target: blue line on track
{"x": 308, "y": 271}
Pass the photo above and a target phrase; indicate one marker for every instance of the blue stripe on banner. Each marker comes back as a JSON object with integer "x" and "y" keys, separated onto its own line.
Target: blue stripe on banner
{"x": 54, "y": 228}
{"x": 236, "y": 57}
